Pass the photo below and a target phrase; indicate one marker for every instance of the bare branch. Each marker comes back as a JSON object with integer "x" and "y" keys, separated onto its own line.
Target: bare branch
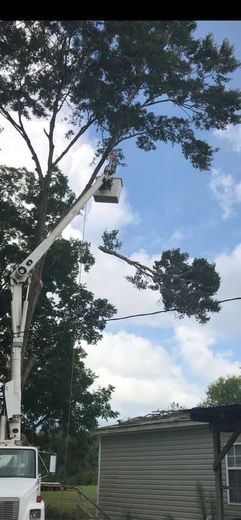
{"x": 51, "y": 136}
{"x": 10, "y": 120}
{"x": 130, "y": 136}
{"x": 151, "y": 102}
{"x": 21, "y": 130}
{"x": 81, "y": 131}
{"x": 57, "y": 105}
{"x": 143, "y": 268}
{"x": 64, "y": 98}
{"x": 31, "y": 148}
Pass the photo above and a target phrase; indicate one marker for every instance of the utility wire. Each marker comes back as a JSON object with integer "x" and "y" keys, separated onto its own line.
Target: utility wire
{"x": 160, "y": 312}
{"x": 145, "y": 313}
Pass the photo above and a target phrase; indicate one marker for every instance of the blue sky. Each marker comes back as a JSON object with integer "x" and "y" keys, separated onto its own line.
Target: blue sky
{"x": 165, "y": 203}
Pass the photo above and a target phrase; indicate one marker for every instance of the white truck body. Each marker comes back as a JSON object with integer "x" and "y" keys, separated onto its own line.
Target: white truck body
{"x": 20, "y": 484}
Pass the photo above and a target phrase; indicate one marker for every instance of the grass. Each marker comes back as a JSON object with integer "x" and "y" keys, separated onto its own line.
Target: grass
{"x": 66, "y": 501}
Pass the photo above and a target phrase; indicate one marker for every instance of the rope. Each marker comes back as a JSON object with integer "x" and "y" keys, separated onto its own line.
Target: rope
{"x": 72, "y": 364}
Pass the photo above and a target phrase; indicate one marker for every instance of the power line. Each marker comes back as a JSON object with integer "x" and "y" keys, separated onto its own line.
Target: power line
{"x": 160, "y": 312}
{"x": 148, "y": 313}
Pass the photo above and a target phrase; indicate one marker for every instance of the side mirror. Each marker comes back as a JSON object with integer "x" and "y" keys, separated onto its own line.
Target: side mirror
{"x": 52, "y": 463}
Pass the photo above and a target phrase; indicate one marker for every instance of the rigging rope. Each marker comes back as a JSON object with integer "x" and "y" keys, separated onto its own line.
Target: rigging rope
{"x": 73, "y": 353}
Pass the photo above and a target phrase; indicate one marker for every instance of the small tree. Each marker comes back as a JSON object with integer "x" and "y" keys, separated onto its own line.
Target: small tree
{"x": 225, "y": 390}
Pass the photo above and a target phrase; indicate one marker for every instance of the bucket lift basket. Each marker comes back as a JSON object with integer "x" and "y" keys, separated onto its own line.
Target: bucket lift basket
{"x": 110, "y": 190}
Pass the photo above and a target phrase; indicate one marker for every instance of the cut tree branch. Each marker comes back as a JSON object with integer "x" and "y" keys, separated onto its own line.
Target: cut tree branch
{"x": 143, "y": 268}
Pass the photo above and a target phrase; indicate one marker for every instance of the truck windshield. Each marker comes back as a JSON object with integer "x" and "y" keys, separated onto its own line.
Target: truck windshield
{"x": 17, "y": 463}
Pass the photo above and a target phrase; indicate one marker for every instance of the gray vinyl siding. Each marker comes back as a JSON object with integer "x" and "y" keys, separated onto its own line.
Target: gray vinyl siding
{"x": 150, "y": 475}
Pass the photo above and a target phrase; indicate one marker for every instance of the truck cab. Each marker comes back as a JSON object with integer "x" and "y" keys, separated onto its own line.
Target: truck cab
{"x": 20, "y": 484}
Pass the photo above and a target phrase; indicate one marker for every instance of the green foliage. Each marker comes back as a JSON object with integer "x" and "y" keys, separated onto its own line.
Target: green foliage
{"x": 19, "y": 194}
{"x": 80, "y": 466}
{"x": 186, "y": 286}
{"x": 110, "y": 240}
{"x": 65, "y": 314}
{"x": 119, "y": 76}
{"x": 224, "y": 391}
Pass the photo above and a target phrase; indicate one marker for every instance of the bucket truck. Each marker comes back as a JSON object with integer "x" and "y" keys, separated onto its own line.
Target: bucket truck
{"x": 20, "y": 482}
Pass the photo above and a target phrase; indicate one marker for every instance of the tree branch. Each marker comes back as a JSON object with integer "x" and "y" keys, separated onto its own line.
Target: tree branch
{"x": 110, "y": 146}
{"x": 51, "y": 136}
{"x": 145, "y": 270}
{"x": 81, "y": 131}
{"x": 11, "y": 120}
{"x": 31, "y": 148}
{"x": 151, "y": 102}
{"x": 21, "y": 130}
{"x": 130, "y": 136}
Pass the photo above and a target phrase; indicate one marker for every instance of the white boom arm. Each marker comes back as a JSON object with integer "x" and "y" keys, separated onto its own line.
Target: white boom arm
{"x": 21, "y": 275}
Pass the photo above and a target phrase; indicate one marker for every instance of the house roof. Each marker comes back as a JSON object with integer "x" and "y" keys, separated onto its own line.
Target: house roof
{"x": 225, "y": 418}
{"x": 152, "y": 421}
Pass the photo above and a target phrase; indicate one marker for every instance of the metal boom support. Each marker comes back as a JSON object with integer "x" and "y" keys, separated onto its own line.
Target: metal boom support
{"x": 20, "y": 276}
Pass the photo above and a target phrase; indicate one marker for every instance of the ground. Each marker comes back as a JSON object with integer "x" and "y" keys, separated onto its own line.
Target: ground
{"x": 64, "y": 504}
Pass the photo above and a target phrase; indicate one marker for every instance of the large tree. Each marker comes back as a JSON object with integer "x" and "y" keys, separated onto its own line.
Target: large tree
{"x": 59, "y": 394}
{"x": 152, "y": 81}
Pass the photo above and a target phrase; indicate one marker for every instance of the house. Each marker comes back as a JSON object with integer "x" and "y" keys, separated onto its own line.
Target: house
{"x": 160, "y": 467}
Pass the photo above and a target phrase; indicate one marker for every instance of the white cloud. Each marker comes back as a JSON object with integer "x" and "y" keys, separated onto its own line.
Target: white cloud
{"x": 145, "y": 375}
{"x": 227, "y": 321}
{"x": 228, "y": 265}
{"x": 224, "y": 185}
{"x": 70, "y": 232}
{"x": 76, "y": 164}
{"x": 13, "y": 149}
{"x": 101, "y": 216}
{"x": 178, "y": 236}
{"x": 107, "y": 280}
{"x": 232, "y": 134}
{"x": 226, "y": 191}
{"x": 196, "y": 346}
